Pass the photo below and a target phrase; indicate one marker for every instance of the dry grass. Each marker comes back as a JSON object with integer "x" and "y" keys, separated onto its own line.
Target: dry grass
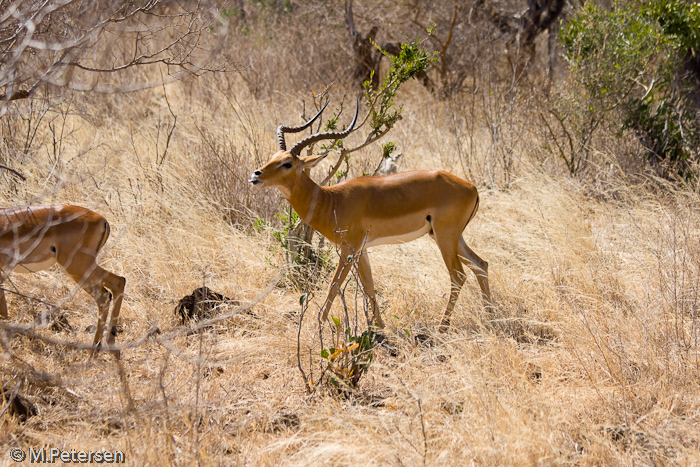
{"x": 594, "y": 360}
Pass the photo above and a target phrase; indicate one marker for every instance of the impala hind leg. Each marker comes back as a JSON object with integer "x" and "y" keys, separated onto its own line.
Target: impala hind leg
{"x": 341, "y": 272}
{"x": 98, "y": 283}
{"x": 449, "y": 248}
{"x": 366, "y": 277}
{"x": 102, "y": 298}
{"x": 457, "y": 279}
{"x": 116, "y": 285}
{"x": 3, "y": 304}
{"x": 480, "y": 268}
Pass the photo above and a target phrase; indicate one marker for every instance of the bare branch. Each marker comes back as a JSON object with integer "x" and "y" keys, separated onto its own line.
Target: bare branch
{"x": 13, "y": 171}
{"x": 75, "y": 43}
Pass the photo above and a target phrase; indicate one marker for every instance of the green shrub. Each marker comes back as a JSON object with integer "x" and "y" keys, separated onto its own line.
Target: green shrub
{"x": 632, "y": 63}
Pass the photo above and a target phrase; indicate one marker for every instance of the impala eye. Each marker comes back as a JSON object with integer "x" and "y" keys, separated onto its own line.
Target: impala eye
{"x": 287, "y": 165}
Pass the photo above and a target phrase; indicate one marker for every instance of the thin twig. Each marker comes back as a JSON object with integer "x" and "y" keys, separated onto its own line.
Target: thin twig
{"x": 13, "y": 171}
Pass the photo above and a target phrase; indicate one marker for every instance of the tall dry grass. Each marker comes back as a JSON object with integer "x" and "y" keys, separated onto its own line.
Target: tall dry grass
{"x": 592, "y": 359}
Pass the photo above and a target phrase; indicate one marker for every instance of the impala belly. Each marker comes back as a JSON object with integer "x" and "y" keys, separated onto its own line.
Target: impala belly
{"x": 31, "y": 263}
{"x": 403, "y": 232}
{"x": 25, "y": 268}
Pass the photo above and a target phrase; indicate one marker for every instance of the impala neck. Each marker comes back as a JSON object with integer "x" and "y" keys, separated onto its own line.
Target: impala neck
{"x": 308, "y": 199}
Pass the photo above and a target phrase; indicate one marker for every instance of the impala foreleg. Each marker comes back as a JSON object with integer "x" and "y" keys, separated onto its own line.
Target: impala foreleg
{"x": 366, "y": 277}
{"x": 341, "y": 272}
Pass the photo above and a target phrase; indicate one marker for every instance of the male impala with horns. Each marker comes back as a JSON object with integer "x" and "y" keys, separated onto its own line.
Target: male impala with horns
{"x": 368, "y": 211}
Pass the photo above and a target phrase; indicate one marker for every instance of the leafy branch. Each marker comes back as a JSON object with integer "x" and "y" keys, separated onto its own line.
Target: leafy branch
{"x": 411, "y": 61}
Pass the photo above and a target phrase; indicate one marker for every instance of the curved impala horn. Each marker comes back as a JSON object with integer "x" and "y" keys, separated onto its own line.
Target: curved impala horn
{"x": 328, "y": 135}
{"x": 281, "y": 130}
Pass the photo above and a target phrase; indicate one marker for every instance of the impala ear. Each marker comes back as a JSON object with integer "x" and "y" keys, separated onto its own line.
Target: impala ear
{"x": 311, "y": 161}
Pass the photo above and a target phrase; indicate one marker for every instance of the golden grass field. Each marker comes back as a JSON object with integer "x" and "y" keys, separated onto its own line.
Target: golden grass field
{"x": 593, "y": 357}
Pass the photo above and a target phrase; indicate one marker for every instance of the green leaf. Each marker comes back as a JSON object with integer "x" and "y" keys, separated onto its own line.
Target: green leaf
{"x": 302, "y": 299}
{"x": 324, "y": 353}
{"x": 336, "y": 321}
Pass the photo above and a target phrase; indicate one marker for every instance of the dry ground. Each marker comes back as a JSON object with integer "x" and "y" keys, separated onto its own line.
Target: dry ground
{"x": 594, "y": 359}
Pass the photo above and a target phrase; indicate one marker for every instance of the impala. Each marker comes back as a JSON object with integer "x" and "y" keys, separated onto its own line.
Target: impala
{"x": 367, "y": 211}
{"x": 35, "y": 238}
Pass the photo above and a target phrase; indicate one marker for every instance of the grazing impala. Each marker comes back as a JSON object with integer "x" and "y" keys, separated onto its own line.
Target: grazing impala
{"x": 368, "y": 211}
{"x": 35, "y": 238}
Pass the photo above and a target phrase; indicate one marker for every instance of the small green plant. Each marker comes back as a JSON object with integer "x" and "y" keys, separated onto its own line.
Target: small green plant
{"x": 300, "y": 254}
{"x": 347, "y": 361}
{"x": 347, "y": 354}
{"x": 290, "y": 220}
{"x": 230, "y": 12}
{"x": 260, "y": 224}
{"x": 388, "y": 149}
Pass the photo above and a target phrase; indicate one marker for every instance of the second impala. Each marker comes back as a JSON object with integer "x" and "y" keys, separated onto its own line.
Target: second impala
{"x": 369, "y": 211}
{"x": 37, "y": 237}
